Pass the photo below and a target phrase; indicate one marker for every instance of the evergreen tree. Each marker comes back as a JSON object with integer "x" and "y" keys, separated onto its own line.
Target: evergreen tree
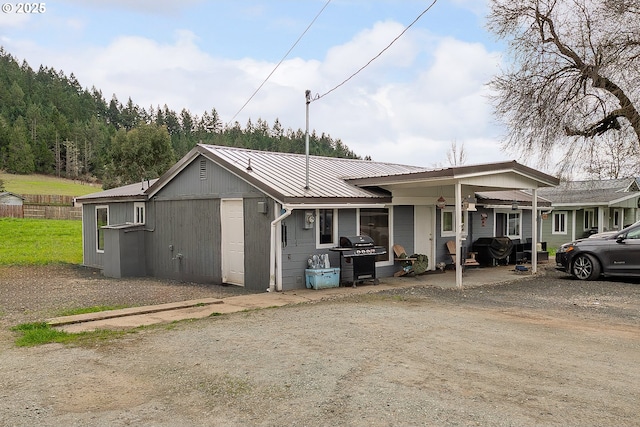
{"x": 19, "y": 153}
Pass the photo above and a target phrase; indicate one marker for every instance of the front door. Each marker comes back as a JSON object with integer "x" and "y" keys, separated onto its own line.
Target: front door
{"x": 232, "y": 238}
{"x": 424, "y": 228}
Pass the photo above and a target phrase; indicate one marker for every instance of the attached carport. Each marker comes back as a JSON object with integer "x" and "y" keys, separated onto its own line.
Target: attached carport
{"x": 457, "y": 183}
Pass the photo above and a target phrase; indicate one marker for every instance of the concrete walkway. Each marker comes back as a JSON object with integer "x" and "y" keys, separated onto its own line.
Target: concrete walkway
{"x": 166, "y": 313}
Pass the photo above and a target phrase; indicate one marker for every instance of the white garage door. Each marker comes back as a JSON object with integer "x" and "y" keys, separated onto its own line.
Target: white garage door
{"x": 232, "y": 239}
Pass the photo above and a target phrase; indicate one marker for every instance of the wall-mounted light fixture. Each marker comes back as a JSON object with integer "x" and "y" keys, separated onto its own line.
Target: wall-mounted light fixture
{"x": 514, "y": 206}
{"x": 469, "y": 204}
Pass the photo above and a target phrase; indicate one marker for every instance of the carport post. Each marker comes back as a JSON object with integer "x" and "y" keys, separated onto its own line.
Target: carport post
{"x": 534, "y": 231}
{"x": 458, "y": 224}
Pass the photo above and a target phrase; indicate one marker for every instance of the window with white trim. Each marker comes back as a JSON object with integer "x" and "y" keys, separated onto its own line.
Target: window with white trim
{"x": 559, "y": 223}
{"x": 589, "y": 219}
{"x": 509, "y": 224}
{"x": 616, "y": 219}
{"x": 447, "y": 219}
{"x": 139, "y": 213}
{"x": 102, "y": 219}
{"x": 326, "y": 228}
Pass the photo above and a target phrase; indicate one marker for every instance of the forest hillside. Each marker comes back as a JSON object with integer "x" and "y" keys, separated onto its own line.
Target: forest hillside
{"x": 50, "y": 124}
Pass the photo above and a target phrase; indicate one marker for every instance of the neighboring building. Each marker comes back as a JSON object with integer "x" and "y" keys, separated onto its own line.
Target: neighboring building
{"x": 581, "y": 208}
{"x": 11, "y": 205}
{"x": 245, "y": 217}
{"x": 10, "y": 199}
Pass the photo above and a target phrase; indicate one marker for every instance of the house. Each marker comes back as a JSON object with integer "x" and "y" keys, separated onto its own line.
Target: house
{"x": 248, "y": 218}
{"x": 581, "y": 208}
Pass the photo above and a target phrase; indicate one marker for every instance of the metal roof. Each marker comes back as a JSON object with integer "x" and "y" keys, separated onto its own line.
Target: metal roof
{"x": 597, "y": 192}
{"x": 129, "y": 192}
{"x": 283, "y": 175}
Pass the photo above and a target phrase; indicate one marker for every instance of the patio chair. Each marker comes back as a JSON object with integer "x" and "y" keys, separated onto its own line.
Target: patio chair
{"x": 406, "y": 262}
{"x": 468, "y": 259}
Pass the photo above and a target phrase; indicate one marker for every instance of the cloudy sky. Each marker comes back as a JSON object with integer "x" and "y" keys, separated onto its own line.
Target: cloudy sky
{"x": 424, "y": 93}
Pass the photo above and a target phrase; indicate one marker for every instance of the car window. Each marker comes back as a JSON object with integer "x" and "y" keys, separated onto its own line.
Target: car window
{"x": 634, "y": 234}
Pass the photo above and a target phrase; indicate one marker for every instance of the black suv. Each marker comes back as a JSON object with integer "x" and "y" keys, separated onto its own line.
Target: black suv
{"x": 611, "y": 255}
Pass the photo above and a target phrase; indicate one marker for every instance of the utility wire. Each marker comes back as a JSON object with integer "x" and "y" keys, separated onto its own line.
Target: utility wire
{"x": 317, "y": 97}
{"x": 283, "y": 58}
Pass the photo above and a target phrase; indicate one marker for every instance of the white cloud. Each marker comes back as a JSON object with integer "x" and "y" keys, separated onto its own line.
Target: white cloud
{"x": 14, "y": 20}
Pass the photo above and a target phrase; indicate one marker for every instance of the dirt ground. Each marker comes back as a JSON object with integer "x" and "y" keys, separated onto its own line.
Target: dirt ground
{"x": 545, "y": 351}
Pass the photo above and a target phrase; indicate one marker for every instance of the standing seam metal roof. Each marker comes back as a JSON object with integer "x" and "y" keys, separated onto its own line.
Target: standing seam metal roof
{"x": 285, "y": 172}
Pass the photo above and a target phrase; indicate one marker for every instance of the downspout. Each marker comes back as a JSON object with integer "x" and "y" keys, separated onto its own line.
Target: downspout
{"x": 274, "y": 249}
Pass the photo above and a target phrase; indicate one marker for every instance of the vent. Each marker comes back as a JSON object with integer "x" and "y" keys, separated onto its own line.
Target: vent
{"x": 203, "y": 169}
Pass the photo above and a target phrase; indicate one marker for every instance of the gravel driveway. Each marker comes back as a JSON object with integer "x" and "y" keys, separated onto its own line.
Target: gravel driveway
{"x": 546, "y": 351}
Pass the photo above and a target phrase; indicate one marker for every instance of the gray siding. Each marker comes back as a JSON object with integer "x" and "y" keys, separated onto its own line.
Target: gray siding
{"x": 298, "y": 244}
{"x": 119, "y": 213}
{"x": 217, "y": 183}
{"x": 403, "y": 228}
{"x": 183, "y": 240}
{"x": 257, "y": 238}
{"x": 91, "y": 258}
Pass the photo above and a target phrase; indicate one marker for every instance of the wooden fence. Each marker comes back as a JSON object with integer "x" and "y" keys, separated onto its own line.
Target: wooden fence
{"x": 11, "y": 211}
{"x": 43, "y": 206}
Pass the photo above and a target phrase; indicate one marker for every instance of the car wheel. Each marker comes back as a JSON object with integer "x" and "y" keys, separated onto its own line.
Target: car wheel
{"x": 586, "y": 267}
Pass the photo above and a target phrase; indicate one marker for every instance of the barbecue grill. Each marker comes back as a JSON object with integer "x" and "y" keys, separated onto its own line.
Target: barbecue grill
{"x": 360, "y": 253}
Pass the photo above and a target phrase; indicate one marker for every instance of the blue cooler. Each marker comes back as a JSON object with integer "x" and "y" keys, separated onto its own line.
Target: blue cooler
{"x": 320, "y": 278}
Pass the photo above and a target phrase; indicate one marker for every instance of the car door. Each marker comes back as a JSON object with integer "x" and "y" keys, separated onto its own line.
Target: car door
{"x": 624, "y": 254}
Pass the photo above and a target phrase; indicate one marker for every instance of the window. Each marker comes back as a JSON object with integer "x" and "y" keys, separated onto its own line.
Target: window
{"x": 375, "y": 223}
{"x": 102, "y": 219}
{"x": 589, "y": 216}
{"x": 446, "y": 222}
{"x": 138, "y": 213}
{"x": 559, "y": 225}
{"x": 616, "y": 219}
{"x": 509, "y": 224}
{"x": 634, "y": 234}
{"x": 327, "y": 228}
{"x": 513, "y": 224}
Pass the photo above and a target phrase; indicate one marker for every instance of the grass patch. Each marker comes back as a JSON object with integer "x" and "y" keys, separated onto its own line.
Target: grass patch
{"x": 25, "y": 241}
{"x": 39, "y": 333}
{"x": 94, "y": 309}
{"x": 44, "y": 184}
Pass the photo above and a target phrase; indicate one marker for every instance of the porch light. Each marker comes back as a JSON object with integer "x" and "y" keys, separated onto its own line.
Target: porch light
{"x": 441, "y": 203}
{"x": 514, "y": 206}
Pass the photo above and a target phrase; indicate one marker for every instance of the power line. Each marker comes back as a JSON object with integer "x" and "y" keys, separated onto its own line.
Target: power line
{"x": 377, "y": 56}
{"x": 283, "y": 58}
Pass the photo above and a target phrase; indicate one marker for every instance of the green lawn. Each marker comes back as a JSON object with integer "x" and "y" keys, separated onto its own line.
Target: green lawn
{"x": 40, "y": 241}
{"x": 44, "y": 184}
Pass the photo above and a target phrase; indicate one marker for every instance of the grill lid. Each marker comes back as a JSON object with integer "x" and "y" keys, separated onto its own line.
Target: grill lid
{"x": 356, "y": 242}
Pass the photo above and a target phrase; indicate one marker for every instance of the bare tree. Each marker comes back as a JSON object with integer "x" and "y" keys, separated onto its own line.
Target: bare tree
{"x": 456, "y": 156}
{"x": 574, "y": 75}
